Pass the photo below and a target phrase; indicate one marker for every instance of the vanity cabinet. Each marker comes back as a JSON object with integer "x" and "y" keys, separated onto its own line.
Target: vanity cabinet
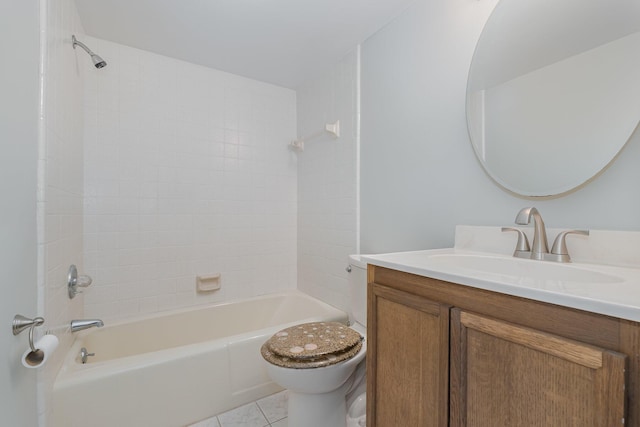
{"x": 443, "y": 354}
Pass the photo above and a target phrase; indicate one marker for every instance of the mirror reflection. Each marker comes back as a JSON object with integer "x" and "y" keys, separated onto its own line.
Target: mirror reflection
{"x": 553, "y": 91}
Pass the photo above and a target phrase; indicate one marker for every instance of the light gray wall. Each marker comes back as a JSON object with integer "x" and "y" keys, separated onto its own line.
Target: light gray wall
{"x": 420, "y": 177}
{"x": 19, "y": 50}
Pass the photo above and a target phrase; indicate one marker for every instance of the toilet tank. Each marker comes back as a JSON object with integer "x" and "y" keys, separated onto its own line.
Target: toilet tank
{"x": 358, "y": 290}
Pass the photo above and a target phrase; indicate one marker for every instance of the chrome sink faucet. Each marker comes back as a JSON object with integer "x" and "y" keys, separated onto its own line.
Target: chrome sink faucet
{"x": 80, "y": 324}
{"x": 539, "y": 247}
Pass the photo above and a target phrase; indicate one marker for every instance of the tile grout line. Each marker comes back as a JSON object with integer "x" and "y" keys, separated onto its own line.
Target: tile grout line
{"x": 263, "y": 414}
{"x": 269, "y": 422}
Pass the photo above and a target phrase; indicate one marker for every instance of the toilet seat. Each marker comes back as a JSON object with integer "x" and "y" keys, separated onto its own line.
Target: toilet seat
{"x": 312, "y": 345}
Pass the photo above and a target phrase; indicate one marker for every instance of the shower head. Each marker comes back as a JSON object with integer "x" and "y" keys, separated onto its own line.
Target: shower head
{"x": 98, "y": 62}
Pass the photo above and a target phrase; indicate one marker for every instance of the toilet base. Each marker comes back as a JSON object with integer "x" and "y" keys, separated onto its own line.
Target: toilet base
{"x": 318, "y": 410}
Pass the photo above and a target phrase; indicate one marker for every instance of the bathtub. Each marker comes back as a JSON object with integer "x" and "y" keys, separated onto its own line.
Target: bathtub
{"x": 178, "y": 367}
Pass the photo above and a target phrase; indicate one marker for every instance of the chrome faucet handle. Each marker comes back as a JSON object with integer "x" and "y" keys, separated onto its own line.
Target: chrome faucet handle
{"x": 559, "y": 251}
{"x": 75, "y": 281}
{"x": 523, "y": 250}
{"x": 84, "y": 355}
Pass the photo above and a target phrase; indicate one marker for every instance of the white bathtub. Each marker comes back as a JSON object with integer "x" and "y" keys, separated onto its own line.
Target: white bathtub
{"x": 179, "y": 367}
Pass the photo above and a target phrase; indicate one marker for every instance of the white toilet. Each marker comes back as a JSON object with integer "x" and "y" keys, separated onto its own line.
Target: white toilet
{"x": 322, "y": 364}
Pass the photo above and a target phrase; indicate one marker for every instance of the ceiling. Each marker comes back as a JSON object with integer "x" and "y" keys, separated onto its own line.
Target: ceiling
{"x": 284, "y": 42}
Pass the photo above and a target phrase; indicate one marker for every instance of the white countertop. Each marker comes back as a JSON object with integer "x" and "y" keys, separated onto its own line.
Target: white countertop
{"x": 605, "y": 289}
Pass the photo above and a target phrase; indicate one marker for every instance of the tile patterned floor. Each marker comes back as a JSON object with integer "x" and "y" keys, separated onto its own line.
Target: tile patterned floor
{"x": 270, "y": 411}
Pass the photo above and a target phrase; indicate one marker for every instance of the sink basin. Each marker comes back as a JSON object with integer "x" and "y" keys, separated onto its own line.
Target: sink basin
{"x": 518, "y": 269}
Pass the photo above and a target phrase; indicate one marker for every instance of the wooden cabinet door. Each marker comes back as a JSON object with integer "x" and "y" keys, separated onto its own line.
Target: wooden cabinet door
{"x": 407, "y": 360}
{"x": 507, "y": 375}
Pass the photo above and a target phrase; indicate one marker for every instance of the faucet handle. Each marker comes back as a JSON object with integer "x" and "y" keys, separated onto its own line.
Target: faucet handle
{"x": 523, "y": 250}
{"x": 84, "y": 281}
{"x": 84, "y": 355}
{"x": 74, "y": 281}
{"x": 559, "y": 251}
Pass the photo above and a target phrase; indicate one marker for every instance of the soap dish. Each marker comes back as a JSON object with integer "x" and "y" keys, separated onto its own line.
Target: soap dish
{"x": 208, "y": 283}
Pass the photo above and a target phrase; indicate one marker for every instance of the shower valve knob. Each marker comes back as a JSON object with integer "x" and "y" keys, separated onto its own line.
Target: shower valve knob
{"x": 74, "y": 281}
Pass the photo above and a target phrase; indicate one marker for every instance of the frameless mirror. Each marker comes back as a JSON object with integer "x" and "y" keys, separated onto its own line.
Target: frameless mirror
{"x": 554, "y": 91}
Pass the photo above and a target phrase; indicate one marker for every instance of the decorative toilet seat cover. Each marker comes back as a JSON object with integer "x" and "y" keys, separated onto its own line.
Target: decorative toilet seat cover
{"x": 312, "y": 345}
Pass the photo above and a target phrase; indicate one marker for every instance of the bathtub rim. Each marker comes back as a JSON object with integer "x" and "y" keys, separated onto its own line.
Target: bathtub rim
{"x": 202, "y": 306}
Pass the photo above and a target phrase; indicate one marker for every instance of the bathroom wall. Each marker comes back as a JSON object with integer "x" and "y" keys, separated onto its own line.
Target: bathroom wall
{"x": 420, "y": 176}
{"x": 19, "y": 119}
{"x": 60, "y": 183}
{"x": 327, "y": 182}
{"x": 187, "y": 173}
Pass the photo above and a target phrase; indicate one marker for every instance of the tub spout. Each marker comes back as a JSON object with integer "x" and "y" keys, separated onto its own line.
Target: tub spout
{"x": 80, "y": 324}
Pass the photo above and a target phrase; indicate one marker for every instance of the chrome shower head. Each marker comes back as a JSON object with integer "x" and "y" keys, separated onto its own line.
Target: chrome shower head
{"x": 98, "y": 62}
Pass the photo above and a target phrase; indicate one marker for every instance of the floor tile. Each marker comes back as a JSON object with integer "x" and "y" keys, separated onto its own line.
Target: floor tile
{"x": 245, "y": 416}
{"x": 274, "y": 407}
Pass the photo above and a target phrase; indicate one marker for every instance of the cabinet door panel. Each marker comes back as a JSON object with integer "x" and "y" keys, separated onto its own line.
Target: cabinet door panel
{"x": 508, "y": 375}
{"x": 408, "y": 370}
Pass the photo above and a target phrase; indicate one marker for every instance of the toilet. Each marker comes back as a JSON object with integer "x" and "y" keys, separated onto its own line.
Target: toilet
{"x": 322, "y": 364}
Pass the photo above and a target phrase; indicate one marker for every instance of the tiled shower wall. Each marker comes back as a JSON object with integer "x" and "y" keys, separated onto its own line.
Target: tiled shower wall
{"x": 328, "y": 183}
{"x": 187, "y": 173}
{"x": 60, "y": 183}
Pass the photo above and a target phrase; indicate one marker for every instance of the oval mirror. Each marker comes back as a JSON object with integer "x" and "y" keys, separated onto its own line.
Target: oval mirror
{"x": 554, "y": 91}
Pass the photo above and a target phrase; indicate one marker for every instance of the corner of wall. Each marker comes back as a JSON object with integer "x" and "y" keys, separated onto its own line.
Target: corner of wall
{"x": 328, "y": 182}
{"x": 60, "y": 184}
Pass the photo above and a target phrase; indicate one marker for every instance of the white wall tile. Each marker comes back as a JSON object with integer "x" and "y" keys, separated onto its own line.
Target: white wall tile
{"x": 177, "y": 157}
